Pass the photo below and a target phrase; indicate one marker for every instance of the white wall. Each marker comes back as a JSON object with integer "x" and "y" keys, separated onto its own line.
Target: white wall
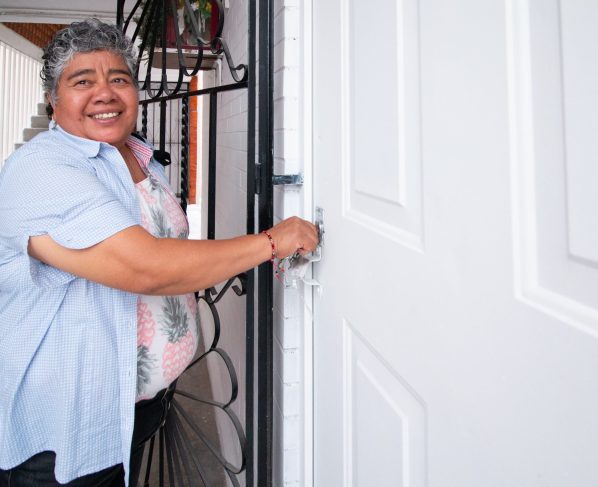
{"x": 290, "y": 314}
{"x": 20, "y": 88}
{"x": 231, "y": 196}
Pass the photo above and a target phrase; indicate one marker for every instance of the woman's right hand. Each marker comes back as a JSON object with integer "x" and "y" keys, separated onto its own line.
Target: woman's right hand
{"x": 294, "y": 235}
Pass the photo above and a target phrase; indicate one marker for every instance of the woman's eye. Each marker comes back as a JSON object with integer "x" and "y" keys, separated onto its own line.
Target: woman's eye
{"x": 120, "y": 80}
{"x": 83, "y": 82}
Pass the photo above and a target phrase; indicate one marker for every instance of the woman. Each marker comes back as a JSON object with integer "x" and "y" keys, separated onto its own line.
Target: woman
{"x": 95, "y": 269}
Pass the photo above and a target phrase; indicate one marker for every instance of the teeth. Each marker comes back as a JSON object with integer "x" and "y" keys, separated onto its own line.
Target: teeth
{"x": 106, "y": 115}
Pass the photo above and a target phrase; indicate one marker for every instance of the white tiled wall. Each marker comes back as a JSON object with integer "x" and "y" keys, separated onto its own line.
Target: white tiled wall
{"x": 288, "y": 304}
{"x": 231, "y": 196}
{"x": 288, "y": 201}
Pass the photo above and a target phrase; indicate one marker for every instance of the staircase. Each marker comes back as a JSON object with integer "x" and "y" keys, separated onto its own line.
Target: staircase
{"x": 39, "y": 124}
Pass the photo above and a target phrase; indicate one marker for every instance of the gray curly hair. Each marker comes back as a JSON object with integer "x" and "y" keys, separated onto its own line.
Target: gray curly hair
{"x": 86, "y": 36}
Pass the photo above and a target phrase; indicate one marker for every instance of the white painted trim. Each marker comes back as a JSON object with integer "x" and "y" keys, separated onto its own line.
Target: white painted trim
{"x": 54, "y": 15}
{"x": 308, "y": 204}
{"x": 14, "y": 40}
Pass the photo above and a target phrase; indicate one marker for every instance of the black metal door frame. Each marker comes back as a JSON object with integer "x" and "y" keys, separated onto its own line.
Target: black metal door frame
{"x": 258, "y": 80}
{"x": 265, "y": 277}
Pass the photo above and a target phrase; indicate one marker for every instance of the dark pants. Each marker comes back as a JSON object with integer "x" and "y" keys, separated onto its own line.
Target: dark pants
{"x": 149, "y": 416}
{"x": 38, "y": 471}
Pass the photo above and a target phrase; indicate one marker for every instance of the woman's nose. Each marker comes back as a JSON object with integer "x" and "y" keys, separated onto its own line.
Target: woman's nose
{"x": 103, "y": 92}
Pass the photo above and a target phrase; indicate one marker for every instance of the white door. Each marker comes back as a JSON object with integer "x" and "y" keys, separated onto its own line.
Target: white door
{"x": 456, "y": 160}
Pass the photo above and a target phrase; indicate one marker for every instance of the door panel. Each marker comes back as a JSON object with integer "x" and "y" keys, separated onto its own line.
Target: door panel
{"x": 455, "y": 334}
{"x": 382, "y": 414}
{"x": 555, "y": 157}
{"x": 382, "y": 186}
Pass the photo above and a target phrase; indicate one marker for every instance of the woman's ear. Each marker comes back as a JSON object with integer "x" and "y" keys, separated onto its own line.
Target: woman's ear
{"x": 49, "y": 106}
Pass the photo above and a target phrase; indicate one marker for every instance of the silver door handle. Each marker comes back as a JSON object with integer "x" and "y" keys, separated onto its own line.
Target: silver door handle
{"x": 295, "y": 268}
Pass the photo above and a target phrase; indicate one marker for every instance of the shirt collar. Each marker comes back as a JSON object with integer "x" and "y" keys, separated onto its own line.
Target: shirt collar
{"x": 141, "y": 150}
{"x": 90, "y": 148}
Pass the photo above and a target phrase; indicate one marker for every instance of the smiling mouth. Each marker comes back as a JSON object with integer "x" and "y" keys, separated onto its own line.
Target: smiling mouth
{"x": 105, "y": 116}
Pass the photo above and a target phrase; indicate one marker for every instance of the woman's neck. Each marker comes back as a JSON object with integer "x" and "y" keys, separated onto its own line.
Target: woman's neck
{"x": 137, "y": 174}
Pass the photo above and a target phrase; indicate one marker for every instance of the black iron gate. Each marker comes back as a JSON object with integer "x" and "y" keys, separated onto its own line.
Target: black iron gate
{"x": 178, "y": 38}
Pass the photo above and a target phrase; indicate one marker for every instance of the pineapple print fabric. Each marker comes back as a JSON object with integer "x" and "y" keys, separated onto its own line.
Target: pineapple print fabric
{"x": 167, "y": 326}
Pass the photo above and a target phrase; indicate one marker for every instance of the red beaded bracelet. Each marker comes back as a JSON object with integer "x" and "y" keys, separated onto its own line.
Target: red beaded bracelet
{"x": 267, "y": 234}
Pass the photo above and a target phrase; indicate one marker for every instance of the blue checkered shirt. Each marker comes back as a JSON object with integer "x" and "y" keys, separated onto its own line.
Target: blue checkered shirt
{"x": 67, "y": 345}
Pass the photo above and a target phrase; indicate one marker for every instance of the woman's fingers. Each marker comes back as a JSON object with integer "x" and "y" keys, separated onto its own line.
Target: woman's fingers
{"x": 294, "y": 234}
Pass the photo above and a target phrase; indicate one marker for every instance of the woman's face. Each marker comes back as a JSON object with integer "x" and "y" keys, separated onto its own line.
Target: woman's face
{"x": 96, "y": 98}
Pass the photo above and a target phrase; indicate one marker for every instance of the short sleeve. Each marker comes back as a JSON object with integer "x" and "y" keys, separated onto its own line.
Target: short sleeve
{"x": 59, "y": 196}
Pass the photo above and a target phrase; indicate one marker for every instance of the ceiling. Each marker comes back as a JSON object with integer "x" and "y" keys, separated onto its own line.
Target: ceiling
{"x": 59, "y": 11}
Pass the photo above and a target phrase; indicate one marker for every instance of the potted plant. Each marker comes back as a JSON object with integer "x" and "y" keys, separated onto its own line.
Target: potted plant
{"x": 205, "y": 13}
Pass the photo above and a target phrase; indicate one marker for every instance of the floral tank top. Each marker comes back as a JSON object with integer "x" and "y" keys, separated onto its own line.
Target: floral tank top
{"x": 167, "y": 326}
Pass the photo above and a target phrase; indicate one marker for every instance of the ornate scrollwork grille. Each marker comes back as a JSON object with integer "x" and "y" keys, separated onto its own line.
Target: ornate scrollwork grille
{"x": 182, "y": 453}
{"x": 158, "y": 30}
